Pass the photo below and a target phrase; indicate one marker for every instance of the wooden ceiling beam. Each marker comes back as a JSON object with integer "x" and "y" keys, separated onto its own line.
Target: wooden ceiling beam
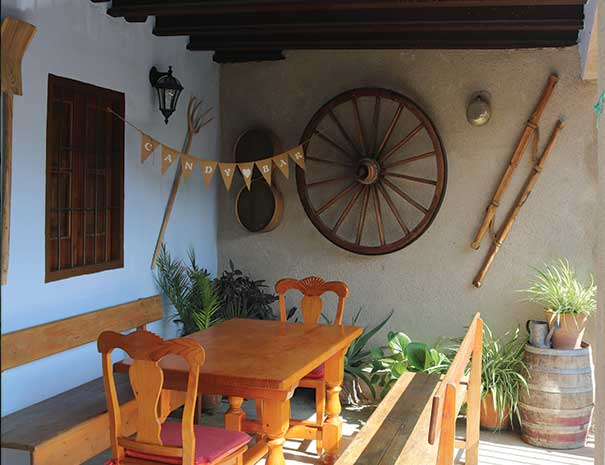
{"x": 427, "y": 40}
{"x": 135, "y": 8}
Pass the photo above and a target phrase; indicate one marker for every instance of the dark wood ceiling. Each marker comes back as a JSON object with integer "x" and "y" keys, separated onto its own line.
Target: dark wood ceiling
{"x": 248, "y": 30}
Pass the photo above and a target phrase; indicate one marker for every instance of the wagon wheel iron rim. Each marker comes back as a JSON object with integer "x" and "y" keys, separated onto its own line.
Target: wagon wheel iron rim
{"x": 371, "y": 156}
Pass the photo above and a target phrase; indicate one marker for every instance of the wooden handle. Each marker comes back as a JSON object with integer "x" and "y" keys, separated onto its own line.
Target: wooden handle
{"x": 7, "y": 162}
{"x": 512, "y": 216}
{"x": 490, "y": 213}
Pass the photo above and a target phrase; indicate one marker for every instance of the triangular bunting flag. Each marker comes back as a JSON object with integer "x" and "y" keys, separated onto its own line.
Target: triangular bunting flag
{"x": 208, "y": 168}
{"x": 187, "y": 165}
{"x": 281, "y": 161}
{"x": 246, "y": 170}
{"x": 298, "y": 155}
{"x": 148, "y": 145}
{"x": 227, "y": 171}
{"x": 168, "y": 157}
{"x": 265, "y": 166}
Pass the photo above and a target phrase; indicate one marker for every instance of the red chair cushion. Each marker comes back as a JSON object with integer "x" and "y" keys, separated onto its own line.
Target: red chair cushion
{"x": 318, "y": 373}
{"x": 210, "y": 443}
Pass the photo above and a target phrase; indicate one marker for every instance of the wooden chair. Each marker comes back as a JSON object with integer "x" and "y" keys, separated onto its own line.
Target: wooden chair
{"x": 312, "y": 289}
{"x": 156, "y": 441}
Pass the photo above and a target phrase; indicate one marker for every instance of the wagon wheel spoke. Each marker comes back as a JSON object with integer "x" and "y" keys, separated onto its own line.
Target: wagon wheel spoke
{"x": 328, "y": 181}
{"x": 362, "y": 215}
{"x": 336, "y": 198}
{"x": 343, "y": 131}
{"x": 347, "y": 209}
{"x": 402, "y": 142}
{"x": 387, "y": 135}
{"x": 393, "y": 208}
{"x": 328, "y": 162}
{"x": 411, "y": 178}
{"x": 378, "y": 214}
{"x": 362, "y": 142}
{"x": 375, "y": 121}
{"x": 405, "y": 161}
{"x": 405, "y": 196}
{"x": 325, "y": 138}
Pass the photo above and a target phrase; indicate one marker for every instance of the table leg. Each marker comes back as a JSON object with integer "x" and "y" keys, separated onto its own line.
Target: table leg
{"x": 332, "y": 428}
{"x": 276, "y": 421}
{"x": 235, "y": 416}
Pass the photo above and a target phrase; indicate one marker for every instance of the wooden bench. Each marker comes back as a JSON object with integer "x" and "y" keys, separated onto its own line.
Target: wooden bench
{"x": 72, "y": 427}
{"x": 415, "y": 424}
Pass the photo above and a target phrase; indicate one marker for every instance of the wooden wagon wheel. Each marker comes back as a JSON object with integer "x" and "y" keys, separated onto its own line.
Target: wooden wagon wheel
{"x": 372, "y": 156}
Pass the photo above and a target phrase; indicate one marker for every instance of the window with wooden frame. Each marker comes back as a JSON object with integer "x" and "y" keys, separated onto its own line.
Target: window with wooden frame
{"x": 84, "y": 179}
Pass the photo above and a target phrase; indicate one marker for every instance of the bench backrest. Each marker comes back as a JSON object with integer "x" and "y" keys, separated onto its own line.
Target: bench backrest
{"x": 27, "y": 345}
{"x": 456, "y": 388}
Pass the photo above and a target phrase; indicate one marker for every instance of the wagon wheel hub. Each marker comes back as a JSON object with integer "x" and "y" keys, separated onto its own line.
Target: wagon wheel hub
{"x": 368, "y": 171}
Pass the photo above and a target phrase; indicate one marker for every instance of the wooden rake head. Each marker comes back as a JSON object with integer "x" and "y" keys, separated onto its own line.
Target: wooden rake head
{"x": 195, "y": 119}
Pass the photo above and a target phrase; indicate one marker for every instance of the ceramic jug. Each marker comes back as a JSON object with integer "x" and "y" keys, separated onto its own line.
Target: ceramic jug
{"x": 539, "y": 335}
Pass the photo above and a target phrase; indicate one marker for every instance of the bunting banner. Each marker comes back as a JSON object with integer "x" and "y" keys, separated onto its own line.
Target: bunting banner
{"x": 189, "y": 163}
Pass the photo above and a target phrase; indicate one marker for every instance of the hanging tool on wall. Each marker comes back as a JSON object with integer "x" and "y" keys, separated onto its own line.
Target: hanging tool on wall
{"x": 502, "y": 234}
{"x": 530, "y": 129}
{"x": 16, "y": 37}
{"x": 195, "y": 122}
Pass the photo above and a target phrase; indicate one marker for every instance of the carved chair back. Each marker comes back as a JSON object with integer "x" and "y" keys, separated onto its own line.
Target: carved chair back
{"x": 147, "y": 377}
{"x": 312, "y": 289}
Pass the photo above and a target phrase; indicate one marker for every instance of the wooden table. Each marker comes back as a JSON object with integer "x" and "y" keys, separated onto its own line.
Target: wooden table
{"x": 265, "y": 360}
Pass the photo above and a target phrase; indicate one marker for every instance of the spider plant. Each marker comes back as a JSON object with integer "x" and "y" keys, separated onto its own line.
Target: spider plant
{"x": 190, "y": 290}
{"x": 502, "y": 372}
{"x": 558, "y": 289}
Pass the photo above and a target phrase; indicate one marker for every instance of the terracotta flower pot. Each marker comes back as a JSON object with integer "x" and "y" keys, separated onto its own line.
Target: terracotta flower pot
{"x": 571, "y": 329}
{"x": 489, "y": 416}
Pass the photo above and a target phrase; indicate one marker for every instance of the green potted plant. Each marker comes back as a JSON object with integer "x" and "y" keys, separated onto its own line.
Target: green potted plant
{"x": 243, "y": 297}
{"x": 566, "y": 300}
{"x": 402, "y": 355}
{"x": 192, "y": 293}
{"x": 501, "y": 378}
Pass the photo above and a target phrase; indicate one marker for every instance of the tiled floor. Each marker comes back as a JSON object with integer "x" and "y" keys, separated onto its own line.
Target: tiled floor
{"x": 495, "y": 448}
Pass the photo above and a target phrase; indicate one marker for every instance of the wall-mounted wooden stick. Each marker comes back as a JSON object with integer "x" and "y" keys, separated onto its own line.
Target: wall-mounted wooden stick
{"x": 195, "y": 122}
{"x": 512, "y": 215}
{"x": 16, "y": 37}
{"x": 514, "y": 161}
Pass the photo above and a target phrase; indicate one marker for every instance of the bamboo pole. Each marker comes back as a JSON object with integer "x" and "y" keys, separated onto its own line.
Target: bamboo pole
{"x": 531, "y": 126}
{"x": 512, "y": 216}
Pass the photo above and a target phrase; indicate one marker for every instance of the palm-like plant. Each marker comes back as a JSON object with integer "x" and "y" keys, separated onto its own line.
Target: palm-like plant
{"x": 502, "y": 371}
{"x": 190, "y": 290}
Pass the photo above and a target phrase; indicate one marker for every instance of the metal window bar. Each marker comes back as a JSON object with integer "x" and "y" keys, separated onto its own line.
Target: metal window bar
{"x": 109, "y": 149}
{"x": 58, "y": 174}
{"x": 85, "y": 153}
{"x": 97, "y": 124}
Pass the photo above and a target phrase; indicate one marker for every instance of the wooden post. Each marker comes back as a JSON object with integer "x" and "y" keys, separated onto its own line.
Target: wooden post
{"x": 16, "y": 37}
{"x": 473, "y": 397}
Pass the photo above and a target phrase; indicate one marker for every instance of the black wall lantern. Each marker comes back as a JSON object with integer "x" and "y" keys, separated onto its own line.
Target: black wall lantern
{"x": 168, "y": 87}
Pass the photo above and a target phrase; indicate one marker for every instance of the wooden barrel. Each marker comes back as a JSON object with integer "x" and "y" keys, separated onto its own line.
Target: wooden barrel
{"x": 557, "y": 410}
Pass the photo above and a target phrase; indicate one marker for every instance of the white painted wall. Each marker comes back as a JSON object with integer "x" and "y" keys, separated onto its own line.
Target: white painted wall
{"x": 76, "y": 39}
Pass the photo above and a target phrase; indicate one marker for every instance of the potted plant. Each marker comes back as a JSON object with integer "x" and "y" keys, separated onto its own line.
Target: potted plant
{"x": 402, "y": 355}
{"x": 192, "y": 293}
{"x": 243, "y": 297}
{"x": 501, "y": 378}
{"x": 566, "y": 300}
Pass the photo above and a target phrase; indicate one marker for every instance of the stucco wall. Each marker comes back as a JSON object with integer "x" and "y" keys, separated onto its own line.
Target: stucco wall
{"x": 76, "y": 39}
{"x": 428, "y": 284}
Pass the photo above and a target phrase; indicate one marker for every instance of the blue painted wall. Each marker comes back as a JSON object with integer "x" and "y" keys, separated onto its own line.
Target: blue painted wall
{"x": 76, "y": 39}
